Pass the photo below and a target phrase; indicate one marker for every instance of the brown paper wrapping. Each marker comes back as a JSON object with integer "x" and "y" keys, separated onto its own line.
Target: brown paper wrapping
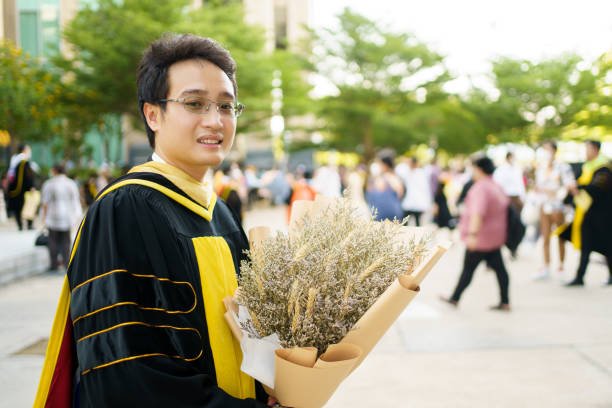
{"x": 304, "y": 386}
{"x": 302, "y": 380}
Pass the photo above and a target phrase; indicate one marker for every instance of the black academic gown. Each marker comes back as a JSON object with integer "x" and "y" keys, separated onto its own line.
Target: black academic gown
{"x": 135, "y": 329}
{"x": 596, "y": 225}
{"x": 23, "y": 181}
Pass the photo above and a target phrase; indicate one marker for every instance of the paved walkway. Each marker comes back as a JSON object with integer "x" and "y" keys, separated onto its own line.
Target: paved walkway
{"x": 553, "y": 350}
{"x": 18, "y": 255}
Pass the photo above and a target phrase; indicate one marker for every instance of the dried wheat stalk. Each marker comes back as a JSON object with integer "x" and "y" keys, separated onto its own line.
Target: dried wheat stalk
{"x": 311, "y": 290}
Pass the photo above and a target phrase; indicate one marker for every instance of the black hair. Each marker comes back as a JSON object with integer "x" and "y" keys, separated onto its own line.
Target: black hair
{"x": 485, "y": 164}
{"x": 595, "y": 143}
{"x": 59, "y": 168}
{"x": 152, "y": 82}
{"x": 388, "y": 160}
{"x": 21, "y": 147}
{"x": 509, "y": 155}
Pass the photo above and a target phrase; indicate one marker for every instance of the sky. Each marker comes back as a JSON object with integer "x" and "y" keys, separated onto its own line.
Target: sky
{"x": 470, "y": 33}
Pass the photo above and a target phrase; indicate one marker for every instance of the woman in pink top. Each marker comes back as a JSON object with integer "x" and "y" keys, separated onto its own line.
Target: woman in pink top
{"x": 483, "y": 227}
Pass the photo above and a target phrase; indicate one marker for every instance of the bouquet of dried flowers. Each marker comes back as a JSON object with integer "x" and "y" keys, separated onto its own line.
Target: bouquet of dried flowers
{"x": 311, "y": 288}
{"x": 314, "y": 302}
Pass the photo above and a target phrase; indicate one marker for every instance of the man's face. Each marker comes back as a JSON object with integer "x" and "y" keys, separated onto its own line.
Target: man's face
{"x": 190, "y": 141}
{"x": 591, "y": 151}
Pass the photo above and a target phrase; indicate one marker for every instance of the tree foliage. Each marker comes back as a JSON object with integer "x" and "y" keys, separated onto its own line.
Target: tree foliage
{"x": 377, "y": 73}
{"x": 594, "y": 120}
{"x": 536, "y": 100}
{"x": 108, "y": 40}
{"x": 28, "y": 96}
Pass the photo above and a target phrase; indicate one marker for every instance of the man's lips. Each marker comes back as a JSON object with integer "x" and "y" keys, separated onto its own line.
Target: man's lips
{"x": 209, "y": 140}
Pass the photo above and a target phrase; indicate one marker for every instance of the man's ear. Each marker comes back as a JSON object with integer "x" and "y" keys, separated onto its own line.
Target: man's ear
{"x": 152, "y": 114}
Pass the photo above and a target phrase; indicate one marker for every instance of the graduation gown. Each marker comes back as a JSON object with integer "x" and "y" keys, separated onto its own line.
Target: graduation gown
{"x": 140, "y": 319}
{"x": 592, "y": 226}
{"x": 23, "y": 181}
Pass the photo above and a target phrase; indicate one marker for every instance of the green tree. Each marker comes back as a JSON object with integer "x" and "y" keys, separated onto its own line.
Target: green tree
{"x": 107, "y": 42}
{"x": 386, "y": 83}
{"x": 594, "y": 120}
{"x": 29, "y": 95}
{"x": 536, "y": 100}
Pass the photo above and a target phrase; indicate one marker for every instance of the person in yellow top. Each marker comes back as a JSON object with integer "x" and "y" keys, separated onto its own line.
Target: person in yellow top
{"x": 140, "y": 320}
{"x": 591, "y": 229}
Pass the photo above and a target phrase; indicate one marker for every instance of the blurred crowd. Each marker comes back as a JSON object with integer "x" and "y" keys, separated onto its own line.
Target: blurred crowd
{"x": 487, "y": 203}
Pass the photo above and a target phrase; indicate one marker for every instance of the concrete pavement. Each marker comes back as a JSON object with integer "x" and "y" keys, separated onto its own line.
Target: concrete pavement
{"x": 553, "y": 350}
{"x": 18, "y": 255}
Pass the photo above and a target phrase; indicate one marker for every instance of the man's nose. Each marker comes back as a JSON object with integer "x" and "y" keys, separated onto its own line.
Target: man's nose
{"x": 211, "y": 117}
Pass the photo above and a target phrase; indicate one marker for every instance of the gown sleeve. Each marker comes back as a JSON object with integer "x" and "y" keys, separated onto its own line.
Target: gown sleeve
{"x": 139, "y": 329}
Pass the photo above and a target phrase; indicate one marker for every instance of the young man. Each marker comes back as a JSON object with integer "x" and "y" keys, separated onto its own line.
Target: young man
{"x": 140, "y": 322}
{"x": 590, "y": 231}
{"x": 61, "y": 210}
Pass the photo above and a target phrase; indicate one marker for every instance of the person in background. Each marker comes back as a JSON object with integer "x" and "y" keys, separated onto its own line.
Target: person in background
{"x": 553, "y": 180}
{"x": 510, "y": 177}
{"x": 433, "y": 171}
{"x": 355, "y": 187}
{"x": 418, "y": 197}
{"x": 61, "y": 210}
{"x": 301, "y": 189}
{"x": 442, "y": 216}
{"x": 384, "y": 190}
{"x": 591, "y": 229}
{"x": 89, "y": 189}
{"x": 327, "y": 181}
{"x": 228, "y": 190}
{"x": 104, "y": 177}
{"x": 21, "y": 180}
{"x": 236, "y": 174}
{"x": 483, "y": 227}
{"x": 252, "y": 184}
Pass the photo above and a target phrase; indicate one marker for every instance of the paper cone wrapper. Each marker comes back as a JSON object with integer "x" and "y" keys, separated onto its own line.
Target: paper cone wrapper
{"x": 380, "y": 316}
{"x": 299, "y": 384}
{"x": 300, "y": 379}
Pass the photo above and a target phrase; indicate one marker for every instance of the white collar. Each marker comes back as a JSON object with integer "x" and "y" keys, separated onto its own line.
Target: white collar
{"x": 157, "y": 158}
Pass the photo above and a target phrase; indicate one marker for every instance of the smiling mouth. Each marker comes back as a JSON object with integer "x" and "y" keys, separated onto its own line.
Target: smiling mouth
{"x": 209, "y": 141}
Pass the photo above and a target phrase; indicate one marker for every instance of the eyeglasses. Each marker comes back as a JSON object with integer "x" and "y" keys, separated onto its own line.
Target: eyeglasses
{"x": 202, "y": 105}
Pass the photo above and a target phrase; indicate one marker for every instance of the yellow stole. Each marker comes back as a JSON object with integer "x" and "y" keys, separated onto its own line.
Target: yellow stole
{"x": 200, "y": 191}
{"x": 583, "y": 200}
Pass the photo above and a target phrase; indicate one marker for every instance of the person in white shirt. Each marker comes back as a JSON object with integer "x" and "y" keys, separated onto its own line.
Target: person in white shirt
{"x": 326, "y": 181}
{"x": 510, "y": 177}
{"x": 418, "y": 198}
{"x": 61, "y": 209}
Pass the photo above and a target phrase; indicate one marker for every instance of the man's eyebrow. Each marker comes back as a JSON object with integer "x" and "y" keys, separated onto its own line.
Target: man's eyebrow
{"x": 202, "y": 92}
{"x": 226, "y": 94}
{"x": 194, "y": 92}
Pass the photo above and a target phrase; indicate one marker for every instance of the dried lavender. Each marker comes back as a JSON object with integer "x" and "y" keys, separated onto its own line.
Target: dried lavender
{"x": 312, "y": 289}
